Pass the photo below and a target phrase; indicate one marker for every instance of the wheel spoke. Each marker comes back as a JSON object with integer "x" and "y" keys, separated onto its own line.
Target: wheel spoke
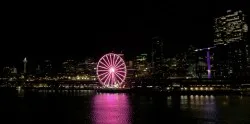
{"x": 118, "y": 77}
{"x": 107, "y": 64}
{"x": 102, "y": 70}
{"x": 102, "y": 73}
{"x": 108, "y": 60}
{"x": 117, "y": 58}
{"x": 121, "y": 72}
{"x": 103, "y": 63}
{"x": 105, "y": 75}
{"x": 118, "y": 66}
{"x": 120, "y": 60}
{"x": 113, "y": 60}
{"x": 102, "y": 67}
{"x": 105, "y": 82}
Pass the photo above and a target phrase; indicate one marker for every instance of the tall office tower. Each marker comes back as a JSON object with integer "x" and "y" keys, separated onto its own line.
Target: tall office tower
{"x": 38, "y": 70}
{"x": 90, "y": 65}
{"x": 25, "y": 65}
{"x": 157, "y": 55}
{"x": 230, "y": 39}
{"x": 47, "y": 67}
{"x": 141, "y": 65}
{"x": 69, "y": 67}
{"x": 191, "y": 62}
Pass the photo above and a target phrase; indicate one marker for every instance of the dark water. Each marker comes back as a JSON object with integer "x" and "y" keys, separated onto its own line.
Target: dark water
{"x": 89, "y": 107}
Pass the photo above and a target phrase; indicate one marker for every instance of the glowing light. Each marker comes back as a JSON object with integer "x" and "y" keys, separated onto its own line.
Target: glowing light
{"x": 111, "y": 108}
{"x": 208, "y": 65}
{"x": 111, "y": 70}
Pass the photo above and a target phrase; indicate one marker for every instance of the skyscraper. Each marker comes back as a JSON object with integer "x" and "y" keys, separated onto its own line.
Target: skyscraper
{"x": 157, "y": 55}
{"x": 69, "y": 67}
{"x": 141, "y": 65}
{"x": 38, "y": 70}
{"x": 230, "y": 28}
{"x": 25, "y": 65}
{"x": 47, "y": 67}
{"x": 231, "y": 44}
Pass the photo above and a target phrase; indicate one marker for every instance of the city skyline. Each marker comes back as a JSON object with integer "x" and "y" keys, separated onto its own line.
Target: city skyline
{"x": 50, "y": 41}
{"x": 125, "y": 62}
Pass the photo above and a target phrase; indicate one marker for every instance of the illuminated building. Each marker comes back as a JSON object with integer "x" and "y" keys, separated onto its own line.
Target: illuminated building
{"x": 191, "y": 62}
{"x": 6, "y": 71}
{"x": 131, "y": 72}
{"x": 90, "y": 66}
{"x": 13, "y": 70}
{"x": 230, "y": 39}
{"x": 9, "y": 72}
{"x": 205, "y": 62}
{"x": 171, "y": 66}
{"x": 141, "y": 65}
{"x": 38, "y": 70}
{"x": 157, "y": 56}
{"x": 47, "y": 67}
{"x": 80, "y": 67}
{"x": 69, "y": 67}
{"x": 230, "y": 28}
{"x": 181, "y": 65}
{"x": 25, "y": 65}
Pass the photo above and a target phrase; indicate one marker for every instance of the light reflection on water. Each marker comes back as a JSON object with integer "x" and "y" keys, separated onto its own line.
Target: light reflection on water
{"x": 111, "y": 109}
{"x": 202, "y": 106}
{"x": 122, "y": 108}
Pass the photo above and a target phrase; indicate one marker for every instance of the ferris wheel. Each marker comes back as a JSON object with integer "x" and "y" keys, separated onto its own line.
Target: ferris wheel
{"x": 111, "y": 70}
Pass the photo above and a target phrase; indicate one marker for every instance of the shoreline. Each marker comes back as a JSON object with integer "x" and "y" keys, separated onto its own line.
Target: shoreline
{"x": 130, "y": 91}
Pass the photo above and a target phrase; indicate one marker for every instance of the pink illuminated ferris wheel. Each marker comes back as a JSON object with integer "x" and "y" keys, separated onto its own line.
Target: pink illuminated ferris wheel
{"x": 111, "y": 70}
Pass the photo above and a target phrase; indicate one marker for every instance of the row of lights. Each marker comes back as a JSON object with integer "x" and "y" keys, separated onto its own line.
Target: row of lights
{"x": 81, "y": 78}
{"x": 201, "y": 88}
{"x": 195, "y": 88}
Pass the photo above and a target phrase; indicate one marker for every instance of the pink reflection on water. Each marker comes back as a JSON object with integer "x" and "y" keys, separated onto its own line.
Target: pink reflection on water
{"x": 111, "y": 109}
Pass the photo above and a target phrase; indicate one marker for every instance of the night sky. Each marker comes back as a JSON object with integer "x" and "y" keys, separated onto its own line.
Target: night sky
{"x": 62, "y": 30}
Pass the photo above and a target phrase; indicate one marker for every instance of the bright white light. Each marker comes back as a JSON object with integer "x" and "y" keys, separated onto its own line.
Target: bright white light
{"x": 112, "y": 70}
